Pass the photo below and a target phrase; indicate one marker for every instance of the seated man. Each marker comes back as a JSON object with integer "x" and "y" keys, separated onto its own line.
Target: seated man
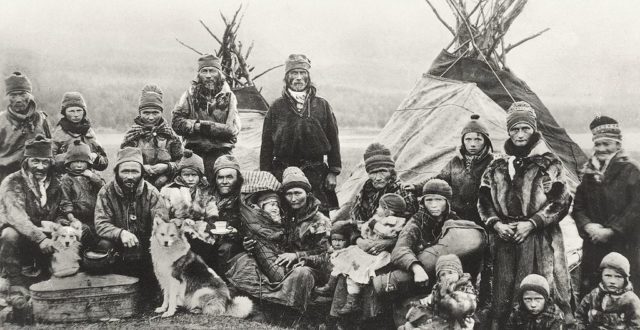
{"x": 27, "y": 197}
{"x": 125, "y": 210}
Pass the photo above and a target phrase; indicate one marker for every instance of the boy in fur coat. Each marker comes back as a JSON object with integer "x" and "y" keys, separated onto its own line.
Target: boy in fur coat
{"x": 612, "y": 304}
{"x": 535, "y": 310}
{"x": 452, "y": 302}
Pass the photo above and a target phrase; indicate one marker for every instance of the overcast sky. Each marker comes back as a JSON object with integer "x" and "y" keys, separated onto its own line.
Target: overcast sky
{"x": 591, "y": 53}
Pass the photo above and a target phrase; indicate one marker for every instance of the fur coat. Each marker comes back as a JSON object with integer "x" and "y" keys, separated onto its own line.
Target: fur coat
{"x": 550, "y": 318}
{"x": 185, "y": 116}
{"x": 15, "y": 130}
{"x": 610, "y": 198}
{"x": 79, "y": 195}
{"x": 602, "y": 309}
{"x": 529, "y": 188}
{"x": 21, "y": 207}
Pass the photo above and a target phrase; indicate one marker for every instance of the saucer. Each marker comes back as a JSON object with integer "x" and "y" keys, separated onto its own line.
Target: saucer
{"x": 224, "y": 231}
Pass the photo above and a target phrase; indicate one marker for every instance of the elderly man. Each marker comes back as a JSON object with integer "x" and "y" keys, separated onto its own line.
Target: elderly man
{"x": 28, "y": 197}
{"x": 300, "y": 130}
{"x": 523, "y": 197}
{"x": 19, "y": 123}
{"x": 125, "y": 210}
{"x": 607, "y": 204}
{"x": 206, "y": 115}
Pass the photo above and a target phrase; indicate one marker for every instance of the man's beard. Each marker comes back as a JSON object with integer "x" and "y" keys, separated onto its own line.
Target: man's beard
{"x": 129, "y": 185}
{"x": 298, "y": 85}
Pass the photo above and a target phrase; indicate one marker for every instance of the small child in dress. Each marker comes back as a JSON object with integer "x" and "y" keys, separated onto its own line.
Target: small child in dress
{"x": 452, "y": 302}
{"x": 341, "y": 232}
{"x": 612, "y": 304}
{"x": 79, "y": 189}
{"x": 535, "y": 310}
{"x": 360, "y": 266}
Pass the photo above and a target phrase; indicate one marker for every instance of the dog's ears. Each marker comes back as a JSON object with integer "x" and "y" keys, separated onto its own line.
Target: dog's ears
{"x": 157, "y": 221}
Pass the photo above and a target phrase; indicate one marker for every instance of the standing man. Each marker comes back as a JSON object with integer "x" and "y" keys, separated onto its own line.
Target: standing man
{"x": 300, "y": 130}
{"x": 27, "y": 197}
{"x": 125, "y": 210}
{"x": 206, "y": 116}
{"x": 19, "y": 123}
{"x": 523, "y": 197}
{"x": 607, "y": 204}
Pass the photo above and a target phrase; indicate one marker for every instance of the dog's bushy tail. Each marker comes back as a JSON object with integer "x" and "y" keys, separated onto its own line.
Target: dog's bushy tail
{"x": 240, "y": 307}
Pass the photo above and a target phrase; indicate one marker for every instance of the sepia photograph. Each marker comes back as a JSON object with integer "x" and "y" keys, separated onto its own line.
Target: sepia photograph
{"x": 336, "y": 164}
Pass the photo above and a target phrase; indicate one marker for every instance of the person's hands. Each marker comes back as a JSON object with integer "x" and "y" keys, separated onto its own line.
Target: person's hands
{"x": 46, "y": 246}
{"x": 523, "y": 229}
{"x": 591, "y": 229}
{"x": 505, "y": 232}
{"x": 419, "y": 275}
{"x": 249, "y": 244}
{"x": 286, "y": 259}
{"x": 148, "y": 169}
{"x": 128, "y": 239}
{"x": 378, "y": 246}
{"x": 408, "y": 186}
{"x": 64, "y": 222}
{"x": 93, "y": 156}
{"x": 331, "y": 181}
{"x": 602, "y": 235}
{"x": 364, "y": 244}
{"x": 160, "y": 168}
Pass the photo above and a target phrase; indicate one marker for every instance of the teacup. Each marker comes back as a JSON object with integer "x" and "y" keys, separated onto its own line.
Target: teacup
{"x": 221, "y": 225}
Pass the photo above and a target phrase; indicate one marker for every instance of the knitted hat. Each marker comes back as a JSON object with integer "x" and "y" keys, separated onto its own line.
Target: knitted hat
{"x": 266, "y": 197}
{"x": 377, "y": 156}
{"x": 449, "y": 262}
{"x": 39, "y": 147}
{"x": 72, "y": 99}
{"x": 78, "y": 152}
{"x": 17, "y": 82}
{"x": 297, "y": 61}
{"x": 128, "y": 154}
{"x": 209, "y": 60}
{"x": 151, "y": 97}
{"x": 603, "y": 127}
{"x": 342, "y": 228}
{"x": 226, "y": 161}
{"x": 293, "y": 177}
{"x": 394, "y": 203}
{"x": 475, "y": 126}
{"x": 191, "y": 161}
{"x": 616, "y": 261}
{"x": 537, "y": 283}
{"x": 521, "y": 113}
{"x": 437, "y": 187}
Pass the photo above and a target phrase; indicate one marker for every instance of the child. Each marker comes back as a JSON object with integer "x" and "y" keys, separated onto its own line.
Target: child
{"x": 612, "y": 304}
{"x": 452, "y": 302}
{"x": 79, "y": 188}
{"x": 161, "y": 147}
{"x": 359, "y": 265}
{"x": 340, "y": 237}
{"x": 534, "y": 309}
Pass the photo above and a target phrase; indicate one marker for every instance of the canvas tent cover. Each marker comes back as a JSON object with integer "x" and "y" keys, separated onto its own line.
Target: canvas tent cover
{"x": 424, "y": 134}
{"x": 252, "y": 108}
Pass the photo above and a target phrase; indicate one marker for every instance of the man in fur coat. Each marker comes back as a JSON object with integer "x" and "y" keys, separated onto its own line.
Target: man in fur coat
{"x": 300, "y": 130}
{"x": 125, "y": 210}
{"x": 206, "y": 116}
{"x": 607, "y": 203}
{"x": 28, "y": 197}
{"x": 523, "y": 197}
{"x": 21, "y": 121}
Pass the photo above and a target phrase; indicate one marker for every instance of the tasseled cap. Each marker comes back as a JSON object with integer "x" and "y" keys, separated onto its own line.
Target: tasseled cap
{"x": 78, "y": 152}
{"x": 475, "y": 126}
{"x": 151, "y": 97}
{"x": 394, "y": 203}
{"x": 297, "y": 61}
{"x": 293, "y": 177}
{"x": 72, "y": 99}
{"x": 536, "y": 283}
{"x": 191, "y": 161}
{"x": 17, "y": 82}
{"x": 378, "y": 156}
{"x": 521, "y": 112}
{"x": 39, "y": 147}
{"x": 209, "y": 60}
{"x": 438, "y": 187}
{"x": 618, "y": 262}
{"x": 449, "y": 262}
{"x": 603, "y": 127}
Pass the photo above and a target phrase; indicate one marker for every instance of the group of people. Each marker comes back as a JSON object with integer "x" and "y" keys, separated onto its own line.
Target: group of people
{"x": 477, "y": 246}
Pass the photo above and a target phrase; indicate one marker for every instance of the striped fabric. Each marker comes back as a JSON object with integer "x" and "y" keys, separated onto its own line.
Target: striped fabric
{"x": 255, "y": 181}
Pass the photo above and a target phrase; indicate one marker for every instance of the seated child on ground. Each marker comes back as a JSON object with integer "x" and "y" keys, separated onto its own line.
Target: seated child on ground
{"x": 79, "y": 188}
{"x": 360, "y": 266}
{"x": 535, "y": 309}
{"x": 612, "y": 304}
{"x": 452, "y": 302}
{"x": 340, "y": 236}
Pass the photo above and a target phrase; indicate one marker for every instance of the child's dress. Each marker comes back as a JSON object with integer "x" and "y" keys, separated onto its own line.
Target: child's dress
{"x": 359, "y": 265}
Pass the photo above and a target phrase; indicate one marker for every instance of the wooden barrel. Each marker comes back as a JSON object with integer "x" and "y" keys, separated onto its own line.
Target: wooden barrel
{"x": 84, "y": 298}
